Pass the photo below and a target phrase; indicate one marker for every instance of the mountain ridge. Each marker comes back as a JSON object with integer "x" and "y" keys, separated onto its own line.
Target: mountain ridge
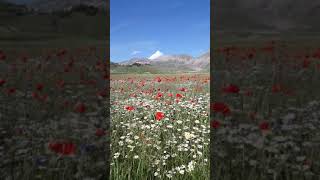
{"x": 57, "y": 5}
{"x": 271, "y": 15}
{"x": 178, "y": 61}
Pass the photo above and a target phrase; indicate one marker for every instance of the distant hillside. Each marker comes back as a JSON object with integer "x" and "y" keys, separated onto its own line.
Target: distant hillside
{"x": 202, "y": 62}
{"x": 56, "y": 5}
{"x": 266, "y": 15}
{"x": 20, "y": 22}
{"x": 8, "y": 9}
{"x": 165, "y": 63}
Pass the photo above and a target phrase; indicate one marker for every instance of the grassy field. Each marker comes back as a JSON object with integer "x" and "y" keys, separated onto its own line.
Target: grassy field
{"x": 160, "y": 126}
{"x": 53, "y": 117}
{"x": 264, "y": 118}
{"x": 152, "y": 69}
{"x": 265, "y": 110}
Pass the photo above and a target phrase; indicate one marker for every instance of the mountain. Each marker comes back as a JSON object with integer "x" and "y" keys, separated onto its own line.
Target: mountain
{"x": 202, "y": 62}
{"x": 266, "y": 15}
{"x": 156, "y": 55}
{"x": 82, "y": 22}
{"x": 135, "y": 61}
{"x": 58, "y": 5}
{"x": 172, "y": 58}
{"x": 11, "y": 9}
{"x": 174, "y": 62}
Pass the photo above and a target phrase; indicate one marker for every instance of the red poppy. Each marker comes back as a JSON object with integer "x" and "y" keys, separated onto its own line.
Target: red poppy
{"x": 2, "y": 56}
{"x": 159, "y": 115}
{"x": 39, "y": 86}
{"x": 221, "y": 107}
{"x": 106, "y": 77}
{"x": 100, "y": 132}
{"x": 11, "y": 91}
{"x": 129, "y": 108}
{"x": 62, "y": 52}
{"x": 250, "y": 55}
{"x": 264, "y": 126}
{"x": 276, "y": 88}
{"x": 80, "y": 108}
{"x": 56, "y": 147}
{"x": 183, "y": 89}
{"x": 102, "y": 93}
{"x": 158, "y": 79}
{"x": 231, "y": 88}
{"x": 178, "y": 96}
{"x": 170, "y": 94}
{"x": 2, "y": 82}
{"x": 306, "y": 63}
{"x": 159, "y": 95}
{"x": 64, "y": 148}
{"x": 215, "y": 124}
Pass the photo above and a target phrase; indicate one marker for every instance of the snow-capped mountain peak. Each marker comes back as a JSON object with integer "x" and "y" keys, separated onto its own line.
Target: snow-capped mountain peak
{"x": 156, "y": 55}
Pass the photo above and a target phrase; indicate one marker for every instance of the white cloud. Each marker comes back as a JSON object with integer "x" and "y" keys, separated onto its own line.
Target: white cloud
{"x": 119, "y": 27}
{"x": 135, "y": 52}
{"x": 156, "y": 55}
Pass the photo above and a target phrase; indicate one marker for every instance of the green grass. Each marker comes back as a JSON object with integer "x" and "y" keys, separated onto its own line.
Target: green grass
{"x": 241, "y": 150}
{"x": 151, "y": 144}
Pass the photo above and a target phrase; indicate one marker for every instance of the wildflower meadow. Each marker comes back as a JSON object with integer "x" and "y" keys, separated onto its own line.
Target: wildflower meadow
{"x": 53, "y": 113}
{"x": 265, "y": 111}
{"x": 160, "y": 126}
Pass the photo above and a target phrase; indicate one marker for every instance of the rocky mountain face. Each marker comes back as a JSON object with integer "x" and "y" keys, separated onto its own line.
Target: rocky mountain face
{"x": 49, "y": 6}
{"x": 277, "y": 15}
{"x": 173, "y": 58}
{"x": 20, "y": 19}
{"x": 174, "y": 62}
{"x": 136, "y": 60}
{"x": 59, "y": 5}
{"x": 201, "y": 62}
{"x": 10, "y": 9}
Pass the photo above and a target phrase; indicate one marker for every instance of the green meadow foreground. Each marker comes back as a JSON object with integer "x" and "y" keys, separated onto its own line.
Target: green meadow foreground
{"x": 266, "y": 110}
{"x": 53, "y": 92}
{"x": 52, "y": 123}
{"x": 264, "y": 117}
{"x": 160, "y": 126}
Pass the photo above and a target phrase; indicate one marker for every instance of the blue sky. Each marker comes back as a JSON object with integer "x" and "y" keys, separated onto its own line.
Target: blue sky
{"x": 141, "y": 27}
